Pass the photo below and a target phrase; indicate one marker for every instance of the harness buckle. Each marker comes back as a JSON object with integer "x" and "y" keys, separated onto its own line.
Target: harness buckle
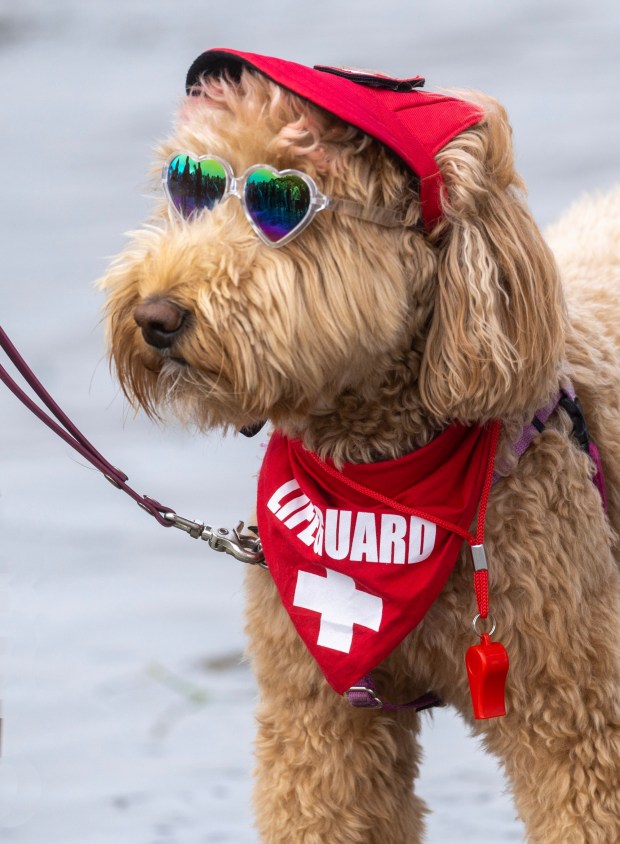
{"x": 363, "y": 697}
{"x": 575, "y": 412}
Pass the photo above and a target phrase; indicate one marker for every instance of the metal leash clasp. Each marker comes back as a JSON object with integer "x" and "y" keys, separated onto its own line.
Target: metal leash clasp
{"x": 241, "y": 546}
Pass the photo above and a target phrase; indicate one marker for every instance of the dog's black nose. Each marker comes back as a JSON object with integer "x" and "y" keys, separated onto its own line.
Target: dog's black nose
{"x": 161, "y": 321}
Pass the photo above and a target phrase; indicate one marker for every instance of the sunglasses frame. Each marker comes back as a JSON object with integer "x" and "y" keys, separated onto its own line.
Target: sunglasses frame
{"x": 318, "y": 201}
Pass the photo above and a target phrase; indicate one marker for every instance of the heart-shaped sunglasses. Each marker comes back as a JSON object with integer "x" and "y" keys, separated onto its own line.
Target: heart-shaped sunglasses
{"x": 278, "y": 204}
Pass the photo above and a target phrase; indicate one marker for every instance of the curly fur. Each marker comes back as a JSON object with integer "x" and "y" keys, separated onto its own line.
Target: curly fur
{"x": 366, "y": 341}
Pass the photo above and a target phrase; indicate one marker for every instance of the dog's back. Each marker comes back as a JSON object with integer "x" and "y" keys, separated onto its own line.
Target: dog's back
{"x": 586, "y": 244}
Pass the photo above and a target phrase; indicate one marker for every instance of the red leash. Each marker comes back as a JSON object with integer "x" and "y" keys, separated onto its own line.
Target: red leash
{"x": 242, "y": 547}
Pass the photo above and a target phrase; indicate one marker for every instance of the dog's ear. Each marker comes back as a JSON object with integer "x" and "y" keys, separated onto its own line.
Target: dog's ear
{"x": 496, "y": 336}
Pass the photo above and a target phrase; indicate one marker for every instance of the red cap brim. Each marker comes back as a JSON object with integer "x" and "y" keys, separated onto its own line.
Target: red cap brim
{"x": 414, "y": 124}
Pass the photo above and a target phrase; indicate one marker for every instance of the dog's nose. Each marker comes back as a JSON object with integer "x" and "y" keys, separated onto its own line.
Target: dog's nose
{"x": 161, "y": 321}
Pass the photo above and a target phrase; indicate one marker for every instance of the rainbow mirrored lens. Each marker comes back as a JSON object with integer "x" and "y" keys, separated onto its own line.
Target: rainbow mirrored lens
{"x": 277, "y": 204}
{"x": 195, "y": 185}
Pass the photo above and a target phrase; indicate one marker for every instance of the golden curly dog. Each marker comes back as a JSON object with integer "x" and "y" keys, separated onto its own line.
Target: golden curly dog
{"x": 365, "y": 341}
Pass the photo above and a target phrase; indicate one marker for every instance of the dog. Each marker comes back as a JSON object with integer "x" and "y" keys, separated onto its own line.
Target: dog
{"x": 423, "y": 300}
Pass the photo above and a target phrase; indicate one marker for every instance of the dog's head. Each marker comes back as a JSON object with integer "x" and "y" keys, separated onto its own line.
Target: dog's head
{"x": 381, "y": 331}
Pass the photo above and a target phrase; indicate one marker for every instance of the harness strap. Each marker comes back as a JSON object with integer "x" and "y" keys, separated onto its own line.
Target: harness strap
{"x": 533, "y": 429}
{"x": 566, "y": 398}
{"x": 571, "y": 404}
{"x": 365, "y": 696}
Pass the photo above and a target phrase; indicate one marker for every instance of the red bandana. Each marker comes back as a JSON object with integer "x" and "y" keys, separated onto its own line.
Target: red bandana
{"x": 359, "y": 556}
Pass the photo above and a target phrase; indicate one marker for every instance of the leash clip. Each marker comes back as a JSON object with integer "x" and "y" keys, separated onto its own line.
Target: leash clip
{"x": 247, "y": 549}
{"x": 243, "y": 547}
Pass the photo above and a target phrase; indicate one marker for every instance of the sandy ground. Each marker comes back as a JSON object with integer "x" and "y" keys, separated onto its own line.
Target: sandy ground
{"x": 127, "y": 706}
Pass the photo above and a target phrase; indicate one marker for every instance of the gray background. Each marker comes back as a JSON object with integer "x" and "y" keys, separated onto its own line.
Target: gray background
{"x": 128, "y": 717}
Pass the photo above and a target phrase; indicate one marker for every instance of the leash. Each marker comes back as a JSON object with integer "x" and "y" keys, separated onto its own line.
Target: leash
{"x": 241, "y": 546}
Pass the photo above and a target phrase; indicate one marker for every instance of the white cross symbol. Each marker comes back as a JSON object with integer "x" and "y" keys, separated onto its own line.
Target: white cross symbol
{"x": 341, "y": 606}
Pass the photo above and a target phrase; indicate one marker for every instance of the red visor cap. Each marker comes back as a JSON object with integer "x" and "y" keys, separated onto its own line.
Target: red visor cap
{"x": 414, "y": 124}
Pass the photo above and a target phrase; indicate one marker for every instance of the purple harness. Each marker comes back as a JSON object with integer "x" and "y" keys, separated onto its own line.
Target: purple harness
{"x": 567, "y": 399}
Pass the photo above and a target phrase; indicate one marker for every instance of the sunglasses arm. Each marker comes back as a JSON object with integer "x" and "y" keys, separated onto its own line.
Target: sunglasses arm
{"x": 372, "y": 214}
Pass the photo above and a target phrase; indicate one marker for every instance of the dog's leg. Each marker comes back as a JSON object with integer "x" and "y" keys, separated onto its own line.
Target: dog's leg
{"x": 326, "y": 771}
{"x": 556, "y": 591}
{"x": 560, "y": 746}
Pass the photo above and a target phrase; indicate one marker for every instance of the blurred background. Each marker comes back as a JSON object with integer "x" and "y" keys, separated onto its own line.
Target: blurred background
{"x": 128, "y": 711}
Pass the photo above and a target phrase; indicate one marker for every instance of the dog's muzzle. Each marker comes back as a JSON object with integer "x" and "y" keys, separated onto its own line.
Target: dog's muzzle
{"x": 160, "y": 320}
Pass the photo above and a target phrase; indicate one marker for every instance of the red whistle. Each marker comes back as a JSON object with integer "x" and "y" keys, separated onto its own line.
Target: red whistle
{"x": 487, "y": 668}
